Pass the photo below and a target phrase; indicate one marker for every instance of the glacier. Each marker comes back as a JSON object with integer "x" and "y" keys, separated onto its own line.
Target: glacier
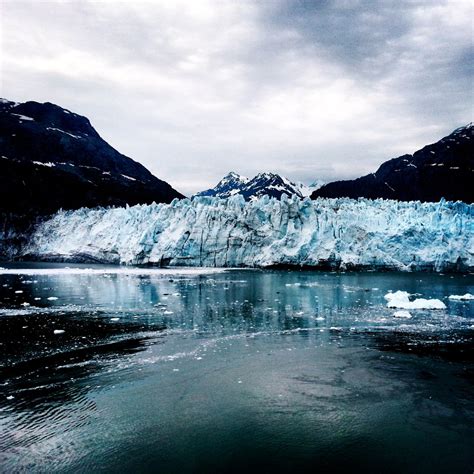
{"x": 211, "y": 232}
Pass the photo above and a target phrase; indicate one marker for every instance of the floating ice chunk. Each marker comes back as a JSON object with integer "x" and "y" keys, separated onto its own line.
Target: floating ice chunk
{"x": 52, "y": 298}
{"x": 465, "y": 297}
{"x": 185, "y": 271}
{"x": 115, "y": 319}
{"x": 25, "y": 304}
{"x": 402, "y": 314}
{"x": 59, "y": 331}
{"x": 62, "y": 131}
{"x": 10, "y": 397}
{"x": 400, "y": 299}
{"x": 18, "y": 292}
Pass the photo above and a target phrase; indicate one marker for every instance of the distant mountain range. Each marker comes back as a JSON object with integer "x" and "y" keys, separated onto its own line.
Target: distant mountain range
{"x": 52, "y": 158}
{"x": 263, "y": 184}
{"x": 444, "y": 169}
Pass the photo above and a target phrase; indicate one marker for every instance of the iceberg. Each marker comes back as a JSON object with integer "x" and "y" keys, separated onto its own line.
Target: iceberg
{"x": 212, "y": 232}
{"x": 400, "y": 299}
{"x": 465, "y": 297}
{"x": 402, "y": 314}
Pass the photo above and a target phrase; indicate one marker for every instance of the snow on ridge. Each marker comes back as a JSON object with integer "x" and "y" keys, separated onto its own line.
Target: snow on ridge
{"x": 49, "y": 164}
{"x": 208, "y": 231}
{"x": 24, "y": 117}
{"x": 62, "y": 131}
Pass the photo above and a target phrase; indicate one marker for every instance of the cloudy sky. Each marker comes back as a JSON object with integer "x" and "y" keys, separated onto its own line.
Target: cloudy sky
{"x": 320, "y": 89}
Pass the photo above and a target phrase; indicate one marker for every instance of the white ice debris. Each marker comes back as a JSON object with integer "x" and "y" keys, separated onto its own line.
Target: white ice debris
{"x": 400, "y": 299}
{"x": 465, "y": 297}
{"x": 52, "y": 298}
{"x": 182, "y": 271}
{"x": 402, "y": 314}
{"x": 59, "y": 331}
{"x": 214, "y": 232}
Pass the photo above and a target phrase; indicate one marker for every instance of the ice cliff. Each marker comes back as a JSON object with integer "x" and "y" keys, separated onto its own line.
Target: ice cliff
{"x": 205, "y": 231}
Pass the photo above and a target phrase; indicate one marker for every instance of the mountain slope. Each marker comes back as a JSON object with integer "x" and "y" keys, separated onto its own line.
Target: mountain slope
{"x": 263, "y": 184}
{"x": 51, "y": 158}
{"x": 442, "y": 170}
{"x": 229, "y": 185}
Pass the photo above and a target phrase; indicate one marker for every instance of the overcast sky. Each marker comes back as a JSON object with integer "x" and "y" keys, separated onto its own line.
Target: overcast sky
{"x": 192, "y": 89}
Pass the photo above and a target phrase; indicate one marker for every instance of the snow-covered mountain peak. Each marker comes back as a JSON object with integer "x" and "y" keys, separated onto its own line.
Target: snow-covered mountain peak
{"x": 262, "y": 184}
{"x": 229, "y": 185}
{"x": 233, "y": 177}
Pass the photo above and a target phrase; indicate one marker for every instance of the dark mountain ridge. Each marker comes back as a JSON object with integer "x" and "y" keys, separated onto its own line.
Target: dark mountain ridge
{"x": 444, "y": 169}
{"x": 52, "y": 158}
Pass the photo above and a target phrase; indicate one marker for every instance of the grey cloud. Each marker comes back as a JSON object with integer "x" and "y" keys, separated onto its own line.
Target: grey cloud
{"x": 311, "y": 89}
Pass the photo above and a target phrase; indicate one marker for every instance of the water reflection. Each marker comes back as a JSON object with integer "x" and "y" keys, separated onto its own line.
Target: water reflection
{"x": 311, "y": 362}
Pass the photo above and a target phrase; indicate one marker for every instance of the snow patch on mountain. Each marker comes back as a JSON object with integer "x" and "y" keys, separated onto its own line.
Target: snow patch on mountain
{"x": 207, "y": 231}
{"x": 54, "y": 129}
{"x": 307, "y": 190}
{"x": 24, "y": 117}
{"x": 40, "y": 163}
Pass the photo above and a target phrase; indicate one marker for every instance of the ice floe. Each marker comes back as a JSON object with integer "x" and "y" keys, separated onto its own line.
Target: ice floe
{"x": 465, "y": 297}
{"x": 400, "y": 299}
{"x": 111, "y": 271}
{"x": 402, "y": 314}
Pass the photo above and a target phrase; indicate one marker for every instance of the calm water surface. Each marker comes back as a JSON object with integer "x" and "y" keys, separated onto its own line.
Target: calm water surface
{"x": 279, "y": 371}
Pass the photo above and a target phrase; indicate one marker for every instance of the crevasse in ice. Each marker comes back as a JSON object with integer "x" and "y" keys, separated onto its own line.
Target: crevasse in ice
{"x": 206, "y": 231}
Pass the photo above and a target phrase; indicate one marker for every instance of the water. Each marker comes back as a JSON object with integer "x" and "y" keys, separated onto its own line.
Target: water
{"x": 279, "y": 371}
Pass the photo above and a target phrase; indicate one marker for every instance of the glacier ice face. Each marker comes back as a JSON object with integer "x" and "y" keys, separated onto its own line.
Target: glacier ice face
{"x": 206, "y": 231}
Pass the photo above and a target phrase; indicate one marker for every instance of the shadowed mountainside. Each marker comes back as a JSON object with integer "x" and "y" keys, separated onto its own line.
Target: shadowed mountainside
{"x": 51, "y": 158}
{"x": 442, "y": 170}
